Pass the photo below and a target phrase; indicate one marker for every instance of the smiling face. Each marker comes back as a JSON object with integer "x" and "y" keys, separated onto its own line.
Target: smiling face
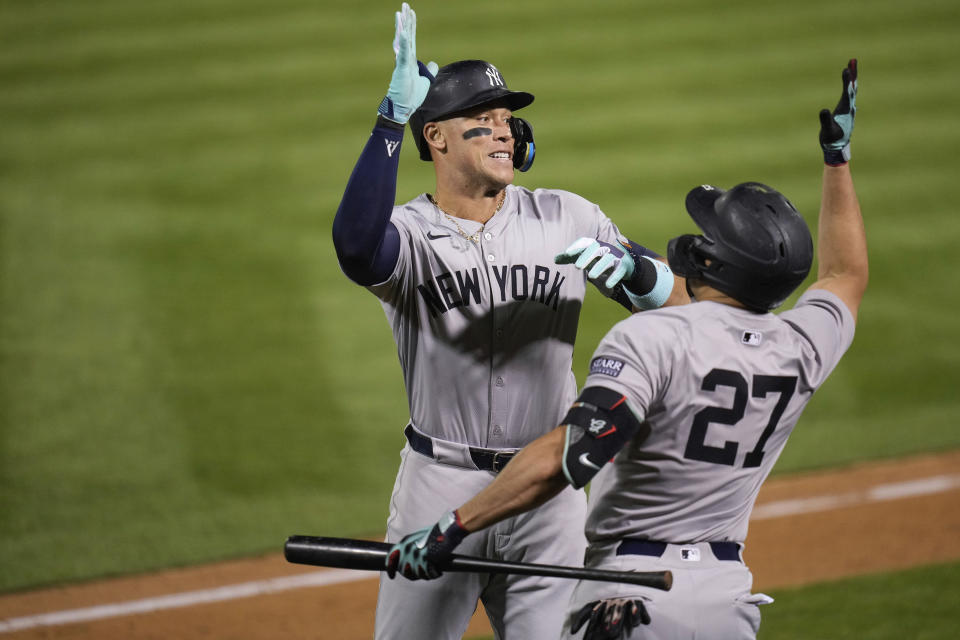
{"x": 476, "y": 144}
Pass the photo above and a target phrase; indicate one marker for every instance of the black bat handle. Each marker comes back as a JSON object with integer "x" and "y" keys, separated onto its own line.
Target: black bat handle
{"x": 656, "y": 579}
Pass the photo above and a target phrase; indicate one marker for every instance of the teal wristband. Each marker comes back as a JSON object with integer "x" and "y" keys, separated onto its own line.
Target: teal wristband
{"x": 661, "y": 291}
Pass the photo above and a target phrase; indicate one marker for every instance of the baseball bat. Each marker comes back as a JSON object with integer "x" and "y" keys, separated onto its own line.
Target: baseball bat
{"x": 367, "y": 555}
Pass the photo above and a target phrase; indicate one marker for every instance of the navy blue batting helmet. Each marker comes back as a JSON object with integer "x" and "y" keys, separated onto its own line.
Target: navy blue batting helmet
{"x": 755, "y": 247}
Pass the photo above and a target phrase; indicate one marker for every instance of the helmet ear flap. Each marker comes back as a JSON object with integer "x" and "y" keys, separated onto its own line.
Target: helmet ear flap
{"x": 523, "y": 148}
{"x": 682, "y": 257}
{"x": 417, "y": 123}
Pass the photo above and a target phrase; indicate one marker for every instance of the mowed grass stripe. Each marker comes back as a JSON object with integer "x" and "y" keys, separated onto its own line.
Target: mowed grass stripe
{"x": 161, "y": 79}
{"x": 94, "y": 31}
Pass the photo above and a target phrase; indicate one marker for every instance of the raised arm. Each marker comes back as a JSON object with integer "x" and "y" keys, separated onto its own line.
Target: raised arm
{"x": 842, "y": 241}
{"x": 367, "y": 243}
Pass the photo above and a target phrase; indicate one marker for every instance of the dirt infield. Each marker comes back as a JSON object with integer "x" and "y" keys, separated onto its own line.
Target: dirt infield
{"x": 806, "y": 528}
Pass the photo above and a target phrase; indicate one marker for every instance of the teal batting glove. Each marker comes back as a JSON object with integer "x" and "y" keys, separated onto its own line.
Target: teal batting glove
{"x": 837, "y": 127}
{"x": 422, "y": 554}
{"x": 646, "y": 282}
{"x": 600, "y": 258}
{"x": 411, "y": 79}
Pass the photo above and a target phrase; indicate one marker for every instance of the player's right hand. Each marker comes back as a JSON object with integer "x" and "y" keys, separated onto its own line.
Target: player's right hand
{"x": 611, "y": 619}
{"x": 411, "y": 78}
{"x": 421, "y": 554}
{"x": 837, "y": 127}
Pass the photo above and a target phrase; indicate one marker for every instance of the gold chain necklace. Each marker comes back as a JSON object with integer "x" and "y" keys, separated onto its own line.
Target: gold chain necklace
{"x": 475, "y": 238}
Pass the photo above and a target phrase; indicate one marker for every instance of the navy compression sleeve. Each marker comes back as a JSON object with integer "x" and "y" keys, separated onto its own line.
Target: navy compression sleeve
{"x": 367, "y": 243}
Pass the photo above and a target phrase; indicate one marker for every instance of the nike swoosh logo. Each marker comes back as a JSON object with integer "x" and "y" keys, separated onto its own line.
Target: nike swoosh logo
{"x": 433, "y": 237}
{"x": 585, "y": 461}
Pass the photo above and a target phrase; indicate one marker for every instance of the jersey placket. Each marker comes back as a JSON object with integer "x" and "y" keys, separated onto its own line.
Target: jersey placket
{"x": 491, "y": 250}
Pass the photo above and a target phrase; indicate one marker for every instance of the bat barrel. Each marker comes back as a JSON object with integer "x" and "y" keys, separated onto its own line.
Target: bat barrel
{"x": 344, "y": 553}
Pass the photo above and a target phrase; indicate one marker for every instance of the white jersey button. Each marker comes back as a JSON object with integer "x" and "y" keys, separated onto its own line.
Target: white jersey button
{"x": 499, "y": 381}
{"x": 488, "y": 236}
{"x": 490, "y": 258}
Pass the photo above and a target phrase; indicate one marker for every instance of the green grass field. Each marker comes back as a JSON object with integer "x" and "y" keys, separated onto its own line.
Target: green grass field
{"x": 185, "y": 374}
{"x": 919, "y": 604}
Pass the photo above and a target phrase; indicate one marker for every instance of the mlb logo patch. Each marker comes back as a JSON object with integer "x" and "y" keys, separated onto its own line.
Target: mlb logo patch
{"x": 690, "y": 554}
{"x": 606, "y": 366}
{"x": 752, "y": 338}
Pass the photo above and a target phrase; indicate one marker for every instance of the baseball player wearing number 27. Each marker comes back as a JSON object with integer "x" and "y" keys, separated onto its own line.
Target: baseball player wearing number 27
{"x": 691, "y": 405}
{"x": 482, "y": 283}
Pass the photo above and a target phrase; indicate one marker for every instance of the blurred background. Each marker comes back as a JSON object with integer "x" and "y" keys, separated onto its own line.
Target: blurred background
{"x": 185, "y": 373}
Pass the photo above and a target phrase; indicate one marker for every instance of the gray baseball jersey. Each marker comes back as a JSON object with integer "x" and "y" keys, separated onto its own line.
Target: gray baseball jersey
{"x": 721, "y": 389}
{"x": 485, "y": 330}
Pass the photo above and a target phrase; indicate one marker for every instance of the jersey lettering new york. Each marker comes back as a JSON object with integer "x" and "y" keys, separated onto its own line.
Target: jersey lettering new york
{"x": 461, "y": 288}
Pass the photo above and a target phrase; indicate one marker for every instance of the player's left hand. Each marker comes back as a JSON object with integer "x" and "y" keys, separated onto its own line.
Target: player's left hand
{"x": 599, "y": 258}
{"x": 421, "y": 554}
{"x": 411, "y": 78}
{"x": 836, "y": 128}
{"x": 611, "y": 619}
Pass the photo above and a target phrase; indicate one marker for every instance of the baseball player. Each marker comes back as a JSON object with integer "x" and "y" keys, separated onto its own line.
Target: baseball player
{"x": 692, "y": 405}
{"x": 484, "y": 319}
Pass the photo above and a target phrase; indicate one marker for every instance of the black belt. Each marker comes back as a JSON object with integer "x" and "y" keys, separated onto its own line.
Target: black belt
{"x": 491, "y": 459}
{"x": 485, "y": 459}
{"x": 636, "y": 547}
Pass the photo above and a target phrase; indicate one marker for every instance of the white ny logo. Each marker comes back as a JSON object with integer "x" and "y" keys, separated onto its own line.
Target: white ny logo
{"x": 494, "y": 76}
